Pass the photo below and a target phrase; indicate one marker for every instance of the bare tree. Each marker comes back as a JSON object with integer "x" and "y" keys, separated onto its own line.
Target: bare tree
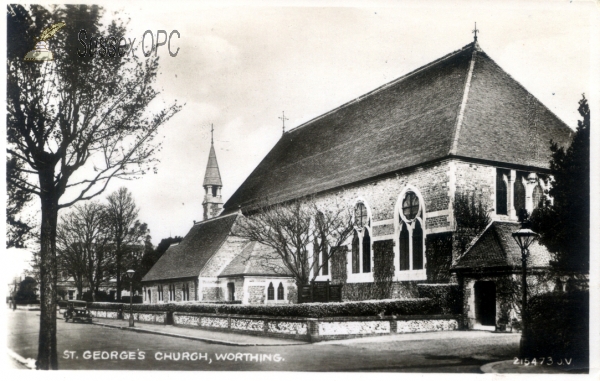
{"x": 291, "y": 229}
{"x": 83, "y": 247}
{"x": 127, "y": 234}
{"x": 76, "y": 123}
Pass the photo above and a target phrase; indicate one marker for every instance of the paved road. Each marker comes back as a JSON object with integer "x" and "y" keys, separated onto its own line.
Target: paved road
{"x": 431, "y": 352}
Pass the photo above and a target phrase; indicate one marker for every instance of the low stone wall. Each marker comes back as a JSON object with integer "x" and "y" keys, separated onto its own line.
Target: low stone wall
{"x": 144, "y": 317}
{"x": 314, "y": 330}
{"x": 147, "y": 317}
{"x": 108, "y": 314}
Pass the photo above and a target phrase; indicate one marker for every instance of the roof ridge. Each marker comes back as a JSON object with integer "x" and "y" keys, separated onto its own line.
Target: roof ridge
{"x": 384, "y": 86}
{"x": 214, "y": 218}
{"x": 463, "y": 104}
{"x": 474, "y": 241}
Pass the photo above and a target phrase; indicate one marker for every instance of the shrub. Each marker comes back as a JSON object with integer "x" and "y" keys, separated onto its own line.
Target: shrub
{"x": 105, "y": 306}
{"x": 559, "y": 326}
{"x": 446, "y": 296}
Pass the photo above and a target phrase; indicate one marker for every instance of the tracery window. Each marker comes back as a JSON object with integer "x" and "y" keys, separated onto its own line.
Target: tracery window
{"x": 280, "y": 291}
{"x": 361, "y": 241}
{"x": 410, "y": 233}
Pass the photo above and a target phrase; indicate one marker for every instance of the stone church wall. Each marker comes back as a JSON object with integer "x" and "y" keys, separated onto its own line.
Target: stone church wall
{"x": 153, "y": 287}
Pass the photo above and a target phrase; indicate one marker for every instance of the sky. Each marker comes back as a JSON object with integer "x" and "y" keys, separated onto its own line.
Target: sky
{"x": 240, "y": 66}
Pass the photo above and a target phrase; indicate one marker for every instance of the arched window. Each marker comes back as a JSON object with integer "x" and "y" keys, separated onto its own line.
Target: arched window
{"x": 366, "y": 252}
{"x": 501, "y": 192}
{"x": 280, "y": 291}
{"x": 360, "y": 215}
{"x": 417, "y": 238}
{"x": 538, "y": 195}
{"x": 361, "y": 242}
{"x": 271, "y": 292}
{"x": 411, "y": 253}
{"x": 519, "y": 190}
{"x": 404, "y": 248}
{"x": 355, "y": 254}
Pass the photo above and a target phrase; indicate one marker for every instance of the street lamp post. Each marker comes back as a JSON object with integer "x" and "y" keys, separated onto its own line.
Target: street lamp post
{"x": 524, "y": 238}
{"x": 130, "y": 275}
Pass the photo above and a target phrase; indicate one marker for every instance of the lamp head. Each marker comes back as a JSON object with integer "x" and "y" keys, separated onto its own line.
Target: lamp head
{"x": 130, "y": 273}
{"x": 524, "y": 237}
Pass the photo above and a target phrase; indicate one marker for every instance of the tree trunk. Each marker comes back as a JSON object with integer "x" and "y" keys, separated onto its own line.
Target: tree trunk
{"x": 47, "y": 352}
{"x": 119, "y": 259}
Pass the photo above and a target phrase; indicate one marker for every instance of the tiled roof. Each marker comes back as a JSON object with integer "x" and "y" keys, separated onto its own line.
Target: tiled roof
{"x": 412, "y": 120}
{"x": 189, "y": 257}
{"x": 256, "y": 259}
{"x": 496, "y": 248}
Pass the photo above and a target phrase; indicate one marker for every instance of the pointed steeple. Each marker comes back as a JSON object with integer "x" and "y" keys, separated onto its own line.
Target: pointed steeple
{"x": 213, "y": 202}
{"x": 212, "y": 175}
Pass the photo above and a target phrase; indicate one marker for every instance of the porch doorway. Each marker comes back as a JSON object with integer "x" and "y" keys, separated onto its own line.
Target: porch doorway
{"x": 485, "y": 303}
{"x": 231, "y": 291}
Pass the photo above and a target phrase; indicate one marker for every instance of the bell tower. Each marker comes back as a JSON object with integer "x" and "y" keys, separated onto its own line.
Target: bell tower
{"x": 213, "y": 202}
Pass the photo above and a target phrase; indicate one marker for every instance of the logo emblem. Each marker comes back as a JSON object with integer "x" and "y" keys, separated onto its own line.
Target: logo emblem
{"x": 40, "y": 52}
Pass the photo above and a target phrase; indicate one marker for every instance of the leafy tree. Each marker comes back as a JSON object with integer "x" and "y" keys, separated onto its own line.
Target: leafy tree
{"x": 126, "y": 233}
{"x": 290, "y": 229}
{"x": 18, "y": 230}
{"x": 76, "y": 123}
{"x": 564, "y": 222}
{"x": 26, "y": 290}
{"x": 152, "y": 255}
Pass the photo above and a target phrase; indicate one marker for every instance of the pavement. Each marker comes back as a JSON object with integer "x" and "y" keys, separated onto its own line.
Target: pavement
{"x": 212, "y": 337}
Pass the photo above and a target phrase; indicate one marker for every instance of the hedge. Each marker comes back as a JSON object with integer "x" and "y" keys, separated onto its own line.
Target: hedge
{"x": 423, "y": 306}
{"x": 559, "y": 326}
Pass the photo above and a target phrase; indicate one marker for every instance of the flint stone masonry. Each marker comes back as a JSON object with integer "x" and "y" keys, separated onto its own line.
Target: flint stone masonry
{"x": 256, "y": 294}
{"x": 354, "y": 328}
{"x": 147, "y": 317}
{"x": 410, "y": 326}
{"x": 380, "y": 230}
{"x": 381, "y": 196}
{"x": 288, "y": 327}
{"x": 311, "y": 329}
{"x": 248, "y": 324}
{"x": 105, "y": 314}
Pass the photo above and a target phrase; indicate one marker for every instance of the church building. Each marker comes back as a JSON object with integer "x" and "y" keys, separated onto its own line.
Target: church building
{"x": 398, "y": 155}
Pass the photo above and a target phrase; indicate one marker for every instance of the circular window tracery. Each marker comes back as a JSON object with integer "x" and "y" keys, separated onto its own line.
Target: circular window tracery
{"x": 410, "y": 206}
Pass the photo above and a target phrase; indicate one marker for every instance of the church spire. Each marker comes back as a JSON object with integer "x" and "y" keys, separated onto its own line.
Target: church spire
{"x": 213, "y": 202}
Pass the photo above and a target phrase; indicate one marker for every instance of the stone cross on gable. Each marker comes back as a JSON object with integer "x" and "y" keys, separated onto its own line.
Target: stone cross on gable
{"x": 283, "y": 119}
